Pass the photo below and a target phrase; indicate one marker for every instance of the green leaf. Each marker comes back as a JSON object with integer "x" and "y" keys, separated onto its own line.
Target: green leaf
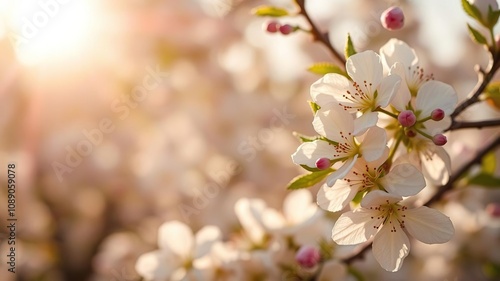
{"x": 472, "y": 10}
{"x": 492, "y": 17}
{"x": 269, "y": 11}
{"x": 304, "y": 138}
{"x": 314, "y": 106}
{"x": 485, "y": 180}
{"x": 489, "y": 163}
{"x": 308, "y": 180}
{"x": 477, "y": 36}
{"x": 492, "y": 95}
{"x": 323, "y": 68}
{"x": 349, "y": 47}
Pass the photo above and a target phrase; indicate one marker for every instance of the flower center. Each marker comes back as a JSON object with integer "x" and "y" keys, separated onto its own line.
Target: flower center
{"x": 416, "y": 78}
{"x": 361, "y": 101}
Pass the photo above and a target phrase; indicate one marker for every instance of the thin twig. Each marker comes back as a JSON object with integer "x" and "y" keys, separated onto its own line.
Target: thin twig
{"x": 484, "y": 78}
{"x": 317, "y": 34}
{"x": 461, "y": 172}
{"x": 457, "y": 125}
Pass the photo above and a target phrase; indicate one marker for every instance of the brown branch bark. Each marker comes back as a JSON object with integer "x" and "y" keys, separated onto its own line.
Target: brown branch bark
{"x": 317, "y": 34}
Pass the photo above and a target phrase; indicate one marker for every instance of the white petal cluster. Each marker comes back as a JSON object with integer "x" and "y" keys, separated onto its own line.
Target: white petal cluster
{"x": 377, "y": 158}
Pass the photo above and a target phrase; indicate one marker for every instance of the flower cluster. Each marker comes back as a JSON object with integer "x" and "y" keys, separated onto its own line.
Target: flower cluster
{"x": 380, "y": 129}
{"x": 287, "y": 245}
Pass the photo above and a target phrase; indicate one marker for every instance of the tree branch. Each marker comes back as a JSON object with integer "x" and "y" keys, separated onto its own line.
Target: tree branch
{"x": 483, "y": 81}
{"x": 317, "y": 35}
{"x": 457, "y": 125}
{"x": 458, "y": 174}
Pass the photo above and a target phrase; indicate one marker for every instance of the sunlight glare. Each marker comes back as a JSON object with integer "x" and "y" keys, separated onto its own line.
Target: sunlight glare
{"x": 44, "y": 31}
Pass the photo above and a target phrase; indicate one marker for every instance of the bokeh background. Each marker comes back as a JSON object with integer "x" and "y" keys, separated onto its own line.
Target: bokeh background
{"x": 222, "y": 100}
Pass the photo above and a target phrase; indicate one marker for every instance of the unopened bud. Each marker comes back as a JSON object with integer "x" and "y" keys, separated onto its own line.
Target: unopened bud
{"x": 286, "y": 29}
{"x": 493, "y": 209}
{"x": 273, "y": 27}
{"x": 407, "y": 118}
{"x": 308, "y": 256}
{"x": 323, "y": 163}
{"x": 439, "y": 139}
{"x": 437, "y": 114}
{"x": 393, "y": 18}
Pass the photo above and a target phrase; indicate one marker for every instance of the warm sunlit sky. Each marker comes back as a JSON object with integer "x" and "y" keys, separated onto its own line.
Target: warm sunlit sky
{"x": 42, "y": 31}
{"x": 58, "y": 30}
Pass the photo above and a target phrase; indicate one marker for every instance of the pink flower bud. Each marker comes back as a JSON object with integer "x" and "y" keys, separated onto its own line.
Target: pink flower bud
{"x": 323, "y": 163}
{"x": 407, "y": 118}
{"x": 286, "y": 29}
{"x": 273, "y": 27}
{"x": 493, "y": 209}
{"x": 437, "y": 114}
{"x": 308, "y": 256}
{"x": 393, "y": 18}
{"x": 439, "y": 139}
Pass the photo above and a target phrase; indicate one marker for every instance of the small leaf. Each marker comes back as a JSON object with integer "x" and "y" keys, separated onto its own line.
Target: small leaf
{"x": 492, "y": 95}
{"x": 477, "y": 36}
{"x": 492, "y": 17}
{"x": 323, "y": 68}
{"x": 269, "y": 11}
{"x": 314, "y": 106}
{"x": 485, "y": 180}
{"x": 349, "y": 47}
{"x": 304, "y": 138}
{"x": 489, "y": 163}
{"x": 472, "y": 10}
{"x": 308, "y": 180}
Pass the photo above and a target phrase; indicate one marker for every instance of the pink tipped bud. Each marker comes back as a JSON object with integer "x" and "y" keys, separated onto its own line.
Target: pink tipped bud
{"x": 308, "y": 256}
{"x": 393, "y": 18}
{"x": 273, "y": 27}
{"x": 411, "y": 133}
{"x": 493, "y": 209}
{"x": 323, "y": 163}
{"x": 407, "y": 118}
{"x": 286, "y": 29}
{"x": 437, "y": 114}
{"x": 439, "y": 139}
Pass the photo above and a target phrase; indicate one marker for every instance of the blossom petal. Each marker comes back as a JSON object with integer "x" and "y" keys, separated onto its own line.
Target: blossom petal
{"x": 373, "y": 144}
{"x": 438, "y": 167}
{"x": 309, "y": 152}
{"x": 272, "y": 219}
{"x": 335, "y": 198}
{"x": 391, "y": 246}
{"x": 342, "y": 171}
{"x": 355, "y": 227}
{"x": 245, "y": 209}
{"x": 428, "y": 225}
{"x": 364, "y": 122}
{"x": 378, "y": 197}
{"x": 330, "y": 89}
{"x": 433, "y": 95}
{"x": 403, "y": 180}
{"x": 176, "y": 237}
{"x": 398, "y": 51}
{"x": 331, "y": 123}
{"x": 365, "y": 67}
{"x": 156, "y": 265}
{"x": 403, "y": 96}
{"x": 387, "y": 90}
{"x": 299, "y": 207}
{"x": 205, "y": 238}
